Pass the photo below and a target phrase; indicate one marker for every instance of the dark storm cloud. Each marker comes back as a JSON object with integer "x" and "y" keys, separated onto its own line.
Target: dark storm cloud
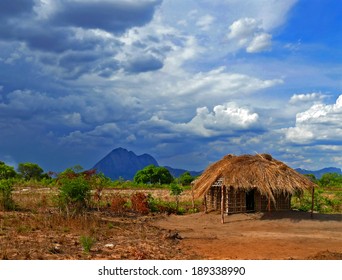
{"x": 143, "y": 64}
{"x": 111, "y": 16}
{"x": 13, "y": 8}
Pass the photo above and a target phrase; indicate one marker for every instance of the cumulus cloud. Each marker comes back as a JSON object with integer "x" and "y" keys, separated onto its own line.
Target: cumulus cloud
{"x": 259, "y": 43}
{"x": 320, "y": 123}
{"x": 249, "y": 34}
{"x": 306, "y": 97}
{"x": 223, "y": 120}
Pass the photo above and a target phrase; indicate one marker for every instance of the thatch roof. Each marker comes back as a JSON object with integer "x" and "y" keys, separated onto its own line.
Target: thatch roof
{"x": 260, "y": 171}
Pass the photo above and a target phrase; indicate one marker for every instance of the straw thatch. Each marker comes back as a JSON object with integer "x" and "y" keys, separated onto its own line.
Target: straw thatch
{"x": 268, "y": 175}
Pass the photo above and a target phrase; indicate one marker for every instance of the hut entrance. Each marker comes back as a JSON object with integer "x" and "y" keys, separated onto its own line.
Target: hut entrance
{"x": 250, "y": 201}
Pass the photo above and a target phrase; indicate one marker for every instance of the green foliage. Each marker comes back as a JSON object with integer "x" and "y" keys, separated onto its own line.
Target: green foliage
{"x": 331, "y": 180}
{"x": 87, "y": 242}
{"x": 74, "y": 192}
{"x": 6, "y": 188}
{"x": 324, "y": 201}
{"x": 6, "y": 172}
{"x": 185, "y": 179}
{"x": 152, "y": 174}
{"x": 312, "y": 178}
{"x": 30, "y": 170}
{"x": 176, "y": 191}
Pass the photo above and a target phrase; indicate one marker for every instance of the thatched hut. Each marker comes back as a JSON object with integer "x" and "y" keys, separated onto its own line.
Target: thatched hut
{"x": 247, "y": 183}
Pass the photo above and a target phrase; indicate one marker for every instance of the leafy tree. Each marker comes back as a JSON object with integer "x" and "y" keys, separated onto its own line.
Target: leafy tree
{"x": 6, "y": 172}
{"x": 152, "y": 174}
{"x": 185, "y": 179}
{"x": 176, "y": 191}
{"x": 331, "y": 180}
{"x": 30, "y": 170}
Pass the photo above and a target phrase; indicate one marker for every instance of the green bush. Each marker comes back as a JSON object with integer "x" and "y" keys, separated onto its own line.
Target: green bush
{"x": 324, "y": 202}
{"x": 74, "y": 194}
{"x": 6, "y": 188}
{"x": 87, "y": 242}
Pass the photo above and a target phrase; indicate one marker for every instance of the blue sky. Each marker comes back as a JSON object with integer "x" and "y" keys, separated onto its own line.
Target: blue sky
{"x": 183, "y": 80}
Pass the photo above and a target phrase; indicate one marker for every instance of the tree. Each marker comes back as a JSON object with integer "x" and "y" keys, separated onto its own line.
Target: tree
{"x": 176, "y": 191}
{"x": 152, "y": 174}
{"x": 30, "y": 170}
{"x": 331, "y": 180}
{"x": 6, "y": 172}
{"x": 185, "y": 179}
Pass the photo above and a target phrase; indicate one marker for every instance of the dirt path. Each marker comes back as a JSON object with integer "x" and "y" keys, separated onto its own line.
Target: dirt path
{"x": 288, "y": 235}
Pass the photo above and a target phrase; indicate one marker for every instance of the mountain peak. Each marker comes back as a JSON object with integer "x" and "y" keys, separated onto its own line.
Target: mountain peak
{"x": 123, "y": 163}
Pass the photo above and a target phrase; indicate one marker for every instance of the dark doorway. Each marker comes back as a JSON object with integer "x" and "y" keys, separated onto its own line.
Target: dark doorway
{"x": 250, "y": 201}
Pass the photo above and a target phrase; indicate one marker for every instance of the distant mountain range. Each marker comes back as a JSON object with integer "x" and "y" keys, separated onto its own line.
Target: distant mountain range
{"x": 319, "y": 173}
{"x": 121, "y": 163}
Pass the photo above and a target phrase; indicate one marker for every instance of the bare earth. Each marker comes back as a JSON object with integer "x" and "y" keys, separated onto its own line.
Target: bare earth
{"x": 39, "y": 231}
{"x": 282, "y": 235}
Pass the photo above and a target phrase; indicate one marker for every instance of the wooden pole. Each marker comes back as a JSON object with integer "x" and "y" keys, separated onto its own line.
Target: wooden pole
{"x": 192, "y": 198}
{"x": 205, "y": 204}
{"x": 227, "y": 199}
{"x": 269, "y": 204}
{"x": 222, "y": 204}
{"x": 312, "y": 200}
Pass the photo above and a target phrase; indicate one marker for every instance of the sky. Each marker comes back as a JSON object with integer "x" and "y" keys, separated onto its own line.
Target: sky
{"x": 187, "y": 81}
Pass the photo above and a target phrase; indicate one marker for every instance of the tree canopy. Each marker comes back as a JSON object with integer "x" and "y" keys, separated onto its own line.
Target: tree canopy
{"x": 185, "y": 179}
{"x": 152, "y": 174}
{"x": 30, "y": 170}
{"x": 6, "y": 171}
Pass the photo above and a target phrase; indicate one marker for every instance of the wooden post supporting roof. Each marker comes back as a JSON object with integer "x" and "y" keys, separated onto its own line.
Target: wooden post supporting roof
{"x": 269, "y": 204}
{"x": 222, "y": 204}
{"x": 192, "y": 198}
{"x": 312, "y": 200}
{"x": 205, "y": 204}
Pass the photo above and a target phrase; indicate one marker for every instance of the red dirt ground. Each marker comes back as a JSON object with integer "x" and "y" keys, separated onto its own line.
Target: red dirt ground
{"x": 271, "y": 236}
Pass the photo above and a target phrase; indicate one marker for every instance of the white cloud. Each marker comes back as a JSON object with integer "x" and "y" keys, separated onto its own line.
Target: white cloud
{"x": 243, "y": 29}
{"x": 205, "y": 22}
{"x": 319, "y": 123}
{"x": 306, "y": 97}
{"x": 259, "y": 43}
{"x": 249, "y": 34}
{"x": 223, "y": 120}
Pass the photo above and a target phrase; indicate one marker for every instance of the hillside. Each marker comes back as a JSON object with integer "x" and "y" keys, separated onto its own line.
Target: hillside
{"x": 319, "y": 173}
{"x": 121, "y": 163}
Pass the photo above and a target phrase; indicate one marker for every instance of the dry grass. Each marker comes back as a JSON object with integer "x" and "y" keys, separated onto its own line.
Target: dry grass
{"x": 37, "y": 230}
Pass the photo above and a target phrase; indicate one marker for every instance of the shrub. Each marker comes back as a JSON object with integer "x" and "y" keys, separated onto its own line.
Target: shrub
{"x": 87, "y": 242}
{"x": 118, "y": 204}
{"x": 176, "y": 191}
{"x": 74, "y": 194}
{"x": 6, "y": 188}
{"x": 140, "y": 203}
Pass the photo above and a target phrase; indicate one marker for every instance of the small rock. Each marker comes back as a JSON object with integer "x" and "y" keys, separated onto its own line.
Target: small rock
{"x": 56, "y": 249}
{"x": 110, "y": 246}
{"x": 172, "y": 235}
